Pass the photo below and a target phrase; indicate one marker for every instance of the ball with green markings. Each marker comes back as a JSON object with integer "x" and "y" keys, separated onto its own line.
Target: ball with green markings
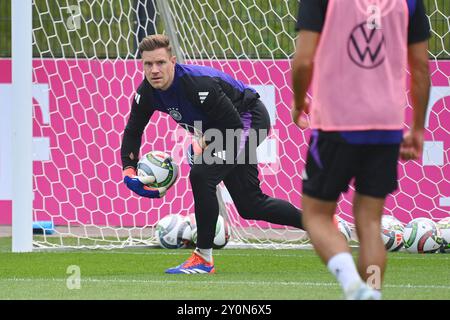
{"x": 421, "y": 235}
{"x": 160, "y": 165}
{"x": 444, "y": 228}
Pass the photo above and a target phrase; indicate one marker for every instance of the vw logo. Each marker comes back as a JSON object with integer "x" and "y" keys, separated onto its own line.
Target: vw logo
{"x": 366, "y": 47}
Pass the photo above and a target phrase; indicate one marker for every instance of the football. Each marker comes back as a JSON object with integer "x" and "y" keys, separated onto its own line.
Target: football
{"x": 187, "y": 235}
{"x": 160, "y": 165}
{"x": 421, "y": 235}
{"x": 222, "y": 234}
{"x": 392, "y": 233}
{"x": 343, "y": 227}
{"x": 444, "y": 228}
{"x": 173, "y": 232}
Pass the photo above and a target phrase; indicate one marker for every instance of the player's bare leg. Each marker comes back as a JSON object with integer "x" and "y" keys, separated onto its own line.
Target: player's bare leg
{"x": 333, "y": 248}
{"x": 318, "y": 220}
{"x": 372, "y": 255}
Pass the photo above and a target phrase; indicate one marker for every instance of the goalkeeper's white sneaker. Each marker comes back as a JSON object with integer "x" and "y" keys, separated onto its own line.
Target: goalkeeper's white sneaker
{"x": 361, "y": 291}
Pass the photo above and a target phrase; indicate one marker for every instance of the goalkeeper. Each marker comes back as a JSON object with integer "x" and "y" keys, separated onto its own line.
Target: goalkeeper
{"x": 203, "y": 99}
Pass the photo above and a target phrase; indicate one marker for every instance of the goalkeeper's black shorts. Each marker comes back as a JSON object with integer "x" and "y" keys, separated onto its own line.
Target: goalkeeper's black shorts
{"x": 331, "y": 165}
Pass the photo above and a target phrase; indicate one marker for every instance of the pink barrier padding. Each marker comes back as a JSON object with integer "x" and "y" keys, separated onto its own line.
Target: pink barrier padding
{"x": 89, "y": 105}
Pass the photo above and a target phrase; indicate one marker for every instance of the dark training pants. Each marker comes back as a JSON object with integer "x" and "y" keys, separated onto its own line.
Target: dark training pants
{"x": 243, "y": 185}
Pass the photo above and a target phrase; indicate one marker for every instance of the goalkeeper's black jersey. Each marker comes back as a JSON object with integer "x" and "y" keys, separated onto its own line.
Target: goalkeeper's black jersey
{"x": 197, "y": 94}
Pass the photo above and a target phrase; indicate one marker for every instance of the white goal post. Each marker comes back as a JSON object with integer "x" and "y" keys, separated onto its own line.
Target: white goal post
{"x": 75, "y": 65}
{"x": 22, "y": 188}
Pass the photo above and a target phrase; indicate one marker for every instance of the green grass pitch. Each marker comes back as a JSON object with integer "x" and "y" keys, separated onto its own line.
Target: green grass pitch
{"x": 241, "y": 274}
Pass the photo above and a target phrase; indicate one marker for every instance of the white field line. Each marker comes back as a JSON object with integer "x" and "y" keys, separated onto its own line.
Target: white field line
{"x": 221, "y": 282}
{"x": 229, "y": 252}
{"x": 274, "y": 254}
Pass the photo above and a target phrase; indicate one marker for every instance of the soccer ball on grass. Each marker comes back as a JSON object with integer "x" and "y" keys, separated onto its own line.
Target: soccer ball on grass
{"x": 173, "y": 232}
{"x": 444, "y": 228}
{"x": 222, "y": 233}
{"x": 392, "y": 233}
{"x": 421, "y": 235}
{"x": 343, "y": 227}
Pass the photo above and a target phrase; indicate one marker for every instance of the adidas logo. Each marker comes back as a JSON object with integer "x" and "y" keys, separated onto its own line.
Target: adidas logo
{"x": 220, "y": 154}
{"x": 137, "y": 97}
{"x": 202, "y": 95}
{"x": 304, "y": 175}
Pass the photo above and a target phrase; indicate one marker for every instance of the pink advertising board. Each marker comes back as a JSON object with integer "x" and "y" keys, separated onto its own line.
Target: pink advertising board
{"x": 89, "y": 102}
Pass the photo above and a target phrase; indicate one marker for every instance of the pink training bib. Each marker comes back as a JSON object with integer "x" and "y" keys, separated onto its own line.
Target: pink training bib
{"x": 359, "y": 80}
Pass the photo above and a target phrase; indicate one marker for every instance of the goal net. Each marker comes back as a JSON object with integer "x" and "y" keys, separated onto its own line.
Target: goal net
{"x": 85, "y": 72}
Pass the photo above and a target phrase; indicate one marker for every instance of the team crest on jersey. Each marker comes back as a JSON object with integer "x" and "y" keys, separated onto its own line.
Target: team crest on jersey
{"x": 366, "y": 47}
{"x": 175, "y": 114}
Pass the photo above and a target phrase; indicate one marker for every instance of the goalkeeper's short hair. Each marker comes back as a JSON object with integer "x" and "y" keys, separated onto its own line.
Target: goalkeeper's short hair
{"x": 155, "y": 41}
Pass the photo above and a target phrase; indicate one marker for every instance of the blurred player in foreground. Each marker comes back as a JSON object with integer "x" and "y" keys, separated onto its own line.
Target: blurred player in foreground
{"x": 356, "y": 54}
{"x": 208, "y": 101}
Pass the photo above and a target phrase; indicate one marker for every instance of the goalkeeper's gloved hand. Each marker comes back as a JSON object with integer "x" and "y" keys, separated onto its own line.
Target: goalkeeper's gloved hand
{"x": 139, "y": 184}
